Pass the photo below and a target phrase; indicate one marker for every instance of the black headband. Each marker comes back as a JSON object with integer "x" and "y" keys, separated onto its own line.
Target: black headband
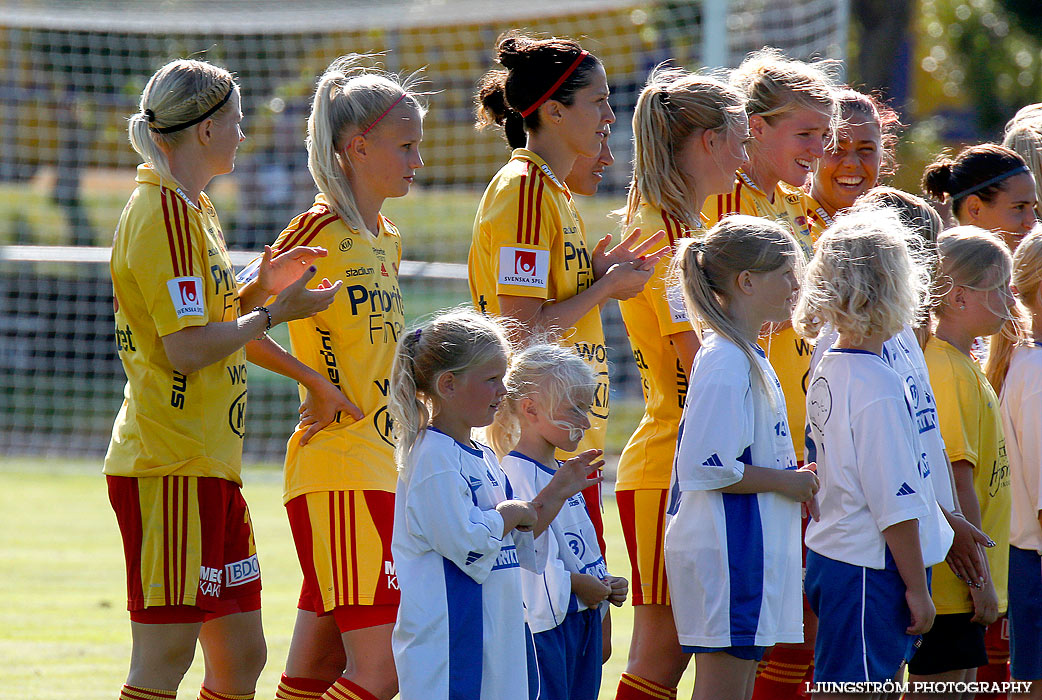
{"x": 205, "y": 115}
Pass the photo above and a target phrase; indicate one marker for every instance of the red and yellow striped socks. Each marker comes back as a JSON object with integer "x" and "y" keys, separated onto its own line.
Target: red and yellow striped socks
{"x": 344, "y": 689}
{"x": 301, "y": 688}
{"x": 637, "y": 688}
{"x": 207, "y": 694}
{"x": 781, "y": 675}
{"x": 129, "y": 692}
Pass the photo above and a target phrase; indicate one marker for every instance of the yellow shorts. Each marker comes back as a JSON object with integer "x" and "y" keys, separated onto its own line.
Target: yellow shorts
{"x": 343, "y": 541}
{"x": 643, "y": 515}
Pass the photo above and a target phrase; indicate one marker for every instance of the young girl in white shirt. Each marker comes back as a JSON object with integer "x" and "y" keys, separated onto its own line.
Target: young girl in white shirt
{"x": 880, "y": 526}
{"x": 459, "y": 534}
{"x": 549, "y": 394}
{"x": 733, "y": 543}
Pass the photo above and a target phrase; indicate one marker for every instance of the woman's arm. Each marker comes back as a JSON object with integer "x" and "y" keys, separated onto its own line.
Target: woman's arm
{"x": 535, "y": 315}
{"x": 324, "y": 401}
{"x": 190, "y": 349}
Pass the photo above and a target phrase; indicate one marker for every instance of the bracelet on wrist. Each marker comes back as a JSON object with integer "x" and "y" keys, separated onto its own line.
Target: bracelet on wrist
{"x": 267, "y": 313}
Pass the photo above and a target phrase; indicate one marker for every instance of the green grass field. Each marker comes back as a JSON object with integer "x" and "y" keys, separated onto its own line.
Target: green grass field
{"x": 63, "y": 622}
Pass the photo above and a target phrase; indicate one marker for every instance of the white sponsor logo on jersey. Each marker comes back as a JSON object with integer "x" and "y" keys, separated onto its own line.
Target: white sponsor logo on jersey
{"x": 187, "y": 295}
{"x": 675, "y": 299}
{"x": 240, "y": 572}
{"x": 524, "y": 267}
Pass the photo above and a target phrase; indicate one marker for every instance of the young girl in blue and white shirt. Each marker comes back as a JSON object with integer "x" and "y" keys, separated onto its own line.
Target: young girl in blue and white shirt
{"x": 459, "y": 534}
{"x": 549, "y": 394}
{"x": 733, "y": 543}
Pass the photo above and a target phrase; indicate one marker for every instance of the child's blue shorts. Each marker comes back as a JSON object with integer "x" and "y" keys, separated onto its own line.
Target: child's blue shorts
{"x": 1025, "y": 614}
{"x": 862, "y": 618}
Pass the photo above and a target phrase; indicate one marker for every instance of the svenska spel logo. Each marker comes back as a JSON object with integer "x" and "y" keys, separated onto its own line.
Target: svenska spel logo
{"x": 187, "y": 295}
{"x": 524, "y": 262}
{"x": 189, "y": 292}
{"x": 525, "y": 267}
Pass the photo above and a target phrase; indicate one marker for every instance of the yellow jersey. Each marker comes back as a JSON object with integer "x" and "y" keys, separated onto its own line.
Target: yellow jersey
{"x": 170, "y": 270}
{"x": 529, "y": 241}
{"x": 788, "y": 353}
{"x": 352, "y": 344}
{"x": 971, "y": 425}
{"x": 651, "y": 317}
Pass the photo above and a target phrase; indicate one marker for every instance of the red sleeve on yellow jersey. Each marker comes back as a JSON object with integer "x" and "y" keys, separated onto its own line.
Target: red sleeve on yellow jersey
{"x": 521, "y": 222}
{"x": 167, "y": 257}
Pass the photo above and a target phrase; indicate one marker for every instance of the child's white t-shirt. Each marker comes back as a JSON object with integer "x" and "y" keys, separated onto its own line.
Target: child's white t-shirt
{"x": 733, "y": 560}
{"x": 1022, "y": 421}
{"x": 570, "y": 543}
{"x": 461, "y": 627}
{"x": 903, "y": 354}
{"x": 873, "y": 470}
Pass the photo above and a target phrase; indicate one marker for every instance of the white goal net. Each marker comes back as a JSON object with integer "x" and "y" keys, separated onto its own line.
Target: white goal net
{"x": 71, "y": 72}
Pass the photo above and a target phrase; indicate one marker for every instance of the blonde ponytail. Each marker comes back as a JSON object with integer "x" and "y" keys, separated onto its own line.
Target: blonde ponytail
{"x": 349, "y": 99}
{"x": 673, "y": 107}
{"x": 704, "y": 267}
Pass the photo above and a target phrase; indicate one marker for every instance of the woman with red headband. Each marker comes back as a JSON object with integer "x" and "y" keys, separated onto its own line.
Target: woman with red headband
{"x": 363, "y": 145}
{"x": 529, "y": 259}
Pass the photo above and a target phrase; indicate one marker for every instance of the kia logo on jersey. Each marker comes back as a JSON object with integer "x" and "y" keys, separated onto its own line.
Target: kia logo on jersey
{"x": 524, "y": 262}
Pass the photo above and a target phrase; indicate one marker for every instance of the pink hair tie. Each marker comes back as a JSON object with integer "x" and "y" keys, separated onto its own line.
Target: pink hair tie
{"x": 385, "y": 112}
{"x": 553, "y": 88}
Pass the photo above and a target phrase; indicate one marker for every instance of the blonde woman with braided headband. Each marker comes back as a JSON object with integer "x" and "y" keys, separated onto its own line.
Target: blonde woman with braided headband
{"x": 173, "y": 465}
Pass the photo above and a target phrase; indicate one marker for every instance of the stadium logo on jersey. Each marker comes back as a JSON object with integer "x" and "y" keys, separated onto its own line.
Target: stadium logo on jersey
{"x": 358, "y": 272}
{"x": 713, "y": 461}
{"x": 905, "y": 490}
{"x": 819, "y": 403}
{"x": 187, "y": 295}
{"x": 240, "y": 572}
{"x": 524, "y": 267}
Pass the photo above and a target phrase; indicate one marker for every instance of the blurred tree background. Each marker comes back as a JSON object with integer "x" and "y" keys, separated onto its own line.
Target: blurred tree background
{"x": 956, "y": 70}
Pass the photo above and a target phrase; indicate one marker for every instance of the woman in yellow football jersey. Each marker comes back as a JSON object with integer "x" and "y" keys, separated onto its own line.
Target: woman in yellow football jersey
{"x": 862, "y": 150}
{"x": 689, "y": 136}
{"x": 987, "y": 185}
{"x": 364, "y": 134}
{"x": 529, "y": 258}
{"x": 792, "y": 114}
{"x": 173, "y": 465}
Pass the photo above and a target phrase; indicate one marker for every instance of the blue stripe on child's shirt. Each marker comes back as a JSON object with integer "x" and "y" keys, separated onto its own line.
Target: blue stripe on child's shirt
{"x": 463, "y": 599}
{"x": 745, "y": 564}
{"x": 534, "y": 680}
